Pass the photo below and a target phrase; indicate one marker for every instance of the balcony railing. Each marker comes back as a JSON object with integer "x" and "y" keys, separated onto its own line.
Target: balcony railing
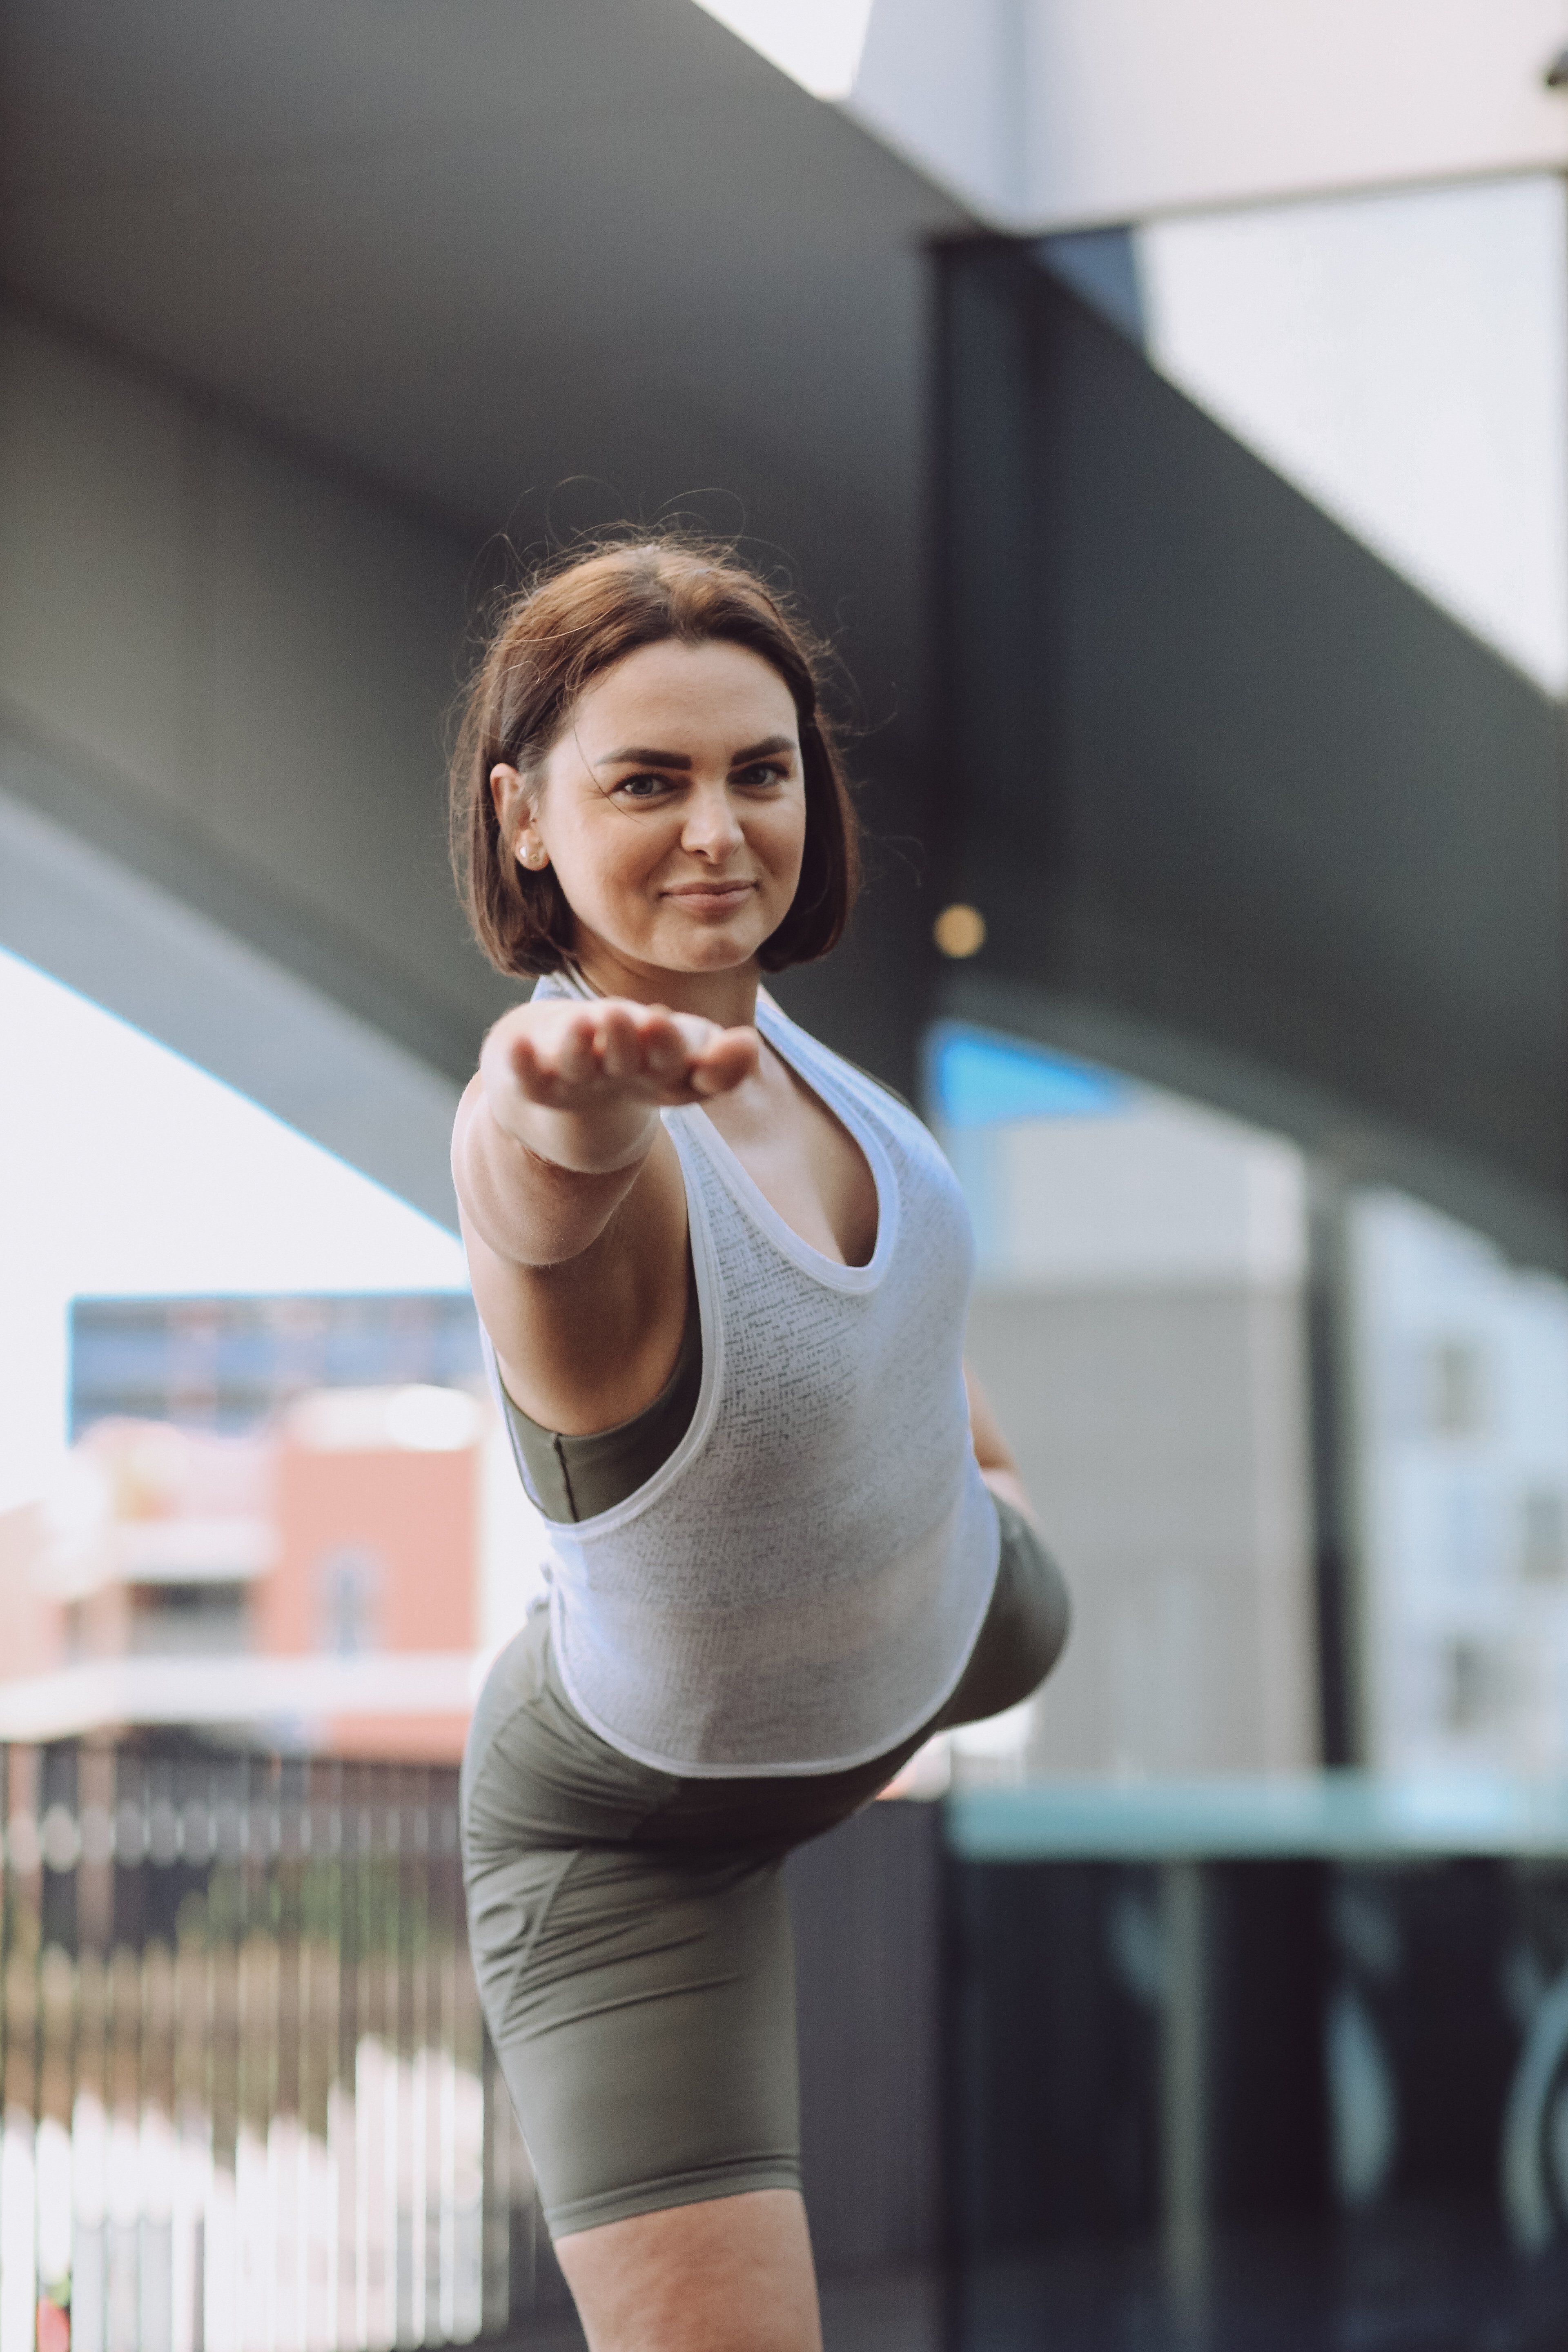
{"x": 248, "y": 2099}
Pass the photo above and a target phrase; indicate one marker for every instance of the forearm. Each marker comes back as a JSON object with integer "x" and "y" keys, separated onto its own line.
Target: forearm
{"x": 564, "y": 1119}
{"x": 526, "y": 1207}
{"x": 536, "y": 1181}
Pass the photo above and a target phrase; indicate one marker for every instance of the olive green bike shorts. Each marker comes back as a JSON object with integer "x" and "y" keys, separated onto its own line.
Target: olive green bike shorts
{"x": 630, "y": 1932}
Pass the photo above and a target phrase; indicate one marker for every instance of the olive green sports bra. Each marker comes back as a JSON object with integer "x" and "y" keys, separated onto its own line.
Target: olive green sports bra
{"x": 577, "y": 1477}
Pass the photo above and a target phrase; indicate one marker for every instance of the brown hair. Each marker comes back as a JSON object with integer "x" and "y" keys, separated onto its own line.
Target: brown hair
{"x": 569, "y": 625}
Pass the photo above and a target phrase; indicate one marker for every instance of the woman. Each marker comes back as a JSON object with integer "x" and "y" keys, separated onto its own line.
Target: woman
{"x": 723, "y": 1277}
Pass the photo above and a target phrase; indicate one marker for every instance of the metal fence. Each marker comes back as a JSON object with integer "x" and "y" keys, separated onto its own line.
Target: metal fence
{"x": 249, "y": 2104}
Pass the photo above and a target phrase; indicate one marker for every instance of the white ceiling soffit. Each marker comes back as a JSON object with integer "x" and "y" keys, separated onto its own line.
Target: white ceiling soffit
{"x": 1402, "y": 359}
{"x": 816, "y": 42}
{"x": 1054, "y": 114}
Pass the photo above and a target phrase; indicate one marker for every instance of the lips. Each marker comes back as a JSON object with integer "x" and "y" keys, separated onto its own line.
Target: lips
{"x": 716, "y": 894}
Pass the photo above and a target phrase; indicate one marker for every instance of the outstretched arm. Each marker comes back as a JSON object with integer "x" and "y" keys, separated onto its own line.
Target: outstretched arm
{"x": 572, "y": 1203}
{"x": 552, "y": 1133}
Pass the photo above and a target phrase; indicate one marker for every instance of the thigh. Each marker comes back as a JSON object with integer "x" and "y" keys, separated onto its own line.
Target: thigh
{"x": 644, "y": 2018}
{"x": 640, "y": 1998}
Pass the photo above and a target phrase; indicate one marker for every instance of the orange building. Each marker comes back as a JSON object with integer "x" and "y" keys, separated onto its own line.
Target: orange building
{"x": 377, "y": 1519}
{"x": 334, "y": 1579}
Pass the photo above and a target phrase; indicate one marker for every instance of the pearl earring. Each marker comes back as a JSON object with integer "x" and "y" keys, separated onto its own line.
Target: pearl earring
{"x": 532, "y": 856}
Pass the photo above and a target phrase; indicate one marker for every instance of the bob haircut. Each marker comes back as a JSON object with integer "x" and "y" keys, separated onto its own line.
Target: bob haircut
{"x": 569, "y": 625}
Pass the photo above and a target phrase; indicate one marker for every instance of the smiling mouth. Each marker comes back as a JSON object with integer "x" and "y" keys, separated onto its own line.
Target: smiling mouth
{"x": 708, "y": 894}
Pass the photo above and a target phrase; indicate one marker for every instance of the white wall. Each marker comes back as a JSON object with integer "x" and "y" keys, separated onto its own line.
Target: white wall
{"x": 1139, "y": 1323}
{"x": 1162, "y": 1432}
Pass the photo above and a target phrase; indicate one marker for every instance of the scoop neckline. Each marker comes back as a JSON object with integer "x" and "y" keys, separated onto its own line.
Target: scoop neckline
{"x": 774, "y": 1024}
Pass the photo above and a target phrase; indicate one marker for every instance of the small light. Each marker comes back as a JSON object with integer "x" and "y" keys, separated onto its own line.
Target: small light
{"x": 960, "y": 931}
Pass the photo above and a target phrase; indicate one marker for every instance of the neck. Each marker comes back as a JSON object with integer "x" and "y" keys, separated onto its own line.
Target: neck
{"x": 728, "y": 998}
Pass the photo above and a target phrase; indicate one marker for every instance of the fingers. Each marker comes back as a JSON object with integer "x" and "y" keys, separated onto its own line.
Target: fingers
{"x": 643, "y": 1047}
{"x": 730, "y": 1055}
{"x": 576, "y": 1055}
{"x": 568, "y": 1055}
{"x": 715, "y": 1059}
{"x": 556, "y": 1053}
{"x": 618, "y": 1043}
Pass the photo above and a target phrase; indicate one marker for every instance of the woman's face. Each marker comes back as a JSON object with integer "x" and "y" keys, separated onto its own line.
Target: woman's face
{"x": 673, "y": 807}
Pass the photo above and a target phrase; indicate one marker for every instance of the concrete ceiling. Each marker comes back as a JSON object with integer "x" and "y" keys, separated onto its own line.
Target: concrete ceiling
{"x": 522, "y": 261}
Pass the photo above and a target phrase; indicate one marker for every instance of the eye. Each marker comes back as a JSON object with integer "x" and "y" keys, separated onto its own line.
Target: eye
{"x": 646, "y": 787}
{"x": 763, "y": 773}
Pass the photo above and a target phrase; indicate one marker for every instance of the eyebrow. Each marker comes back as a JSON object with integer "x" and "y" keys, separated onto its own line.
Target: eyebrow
{"x": 639, "y": 755}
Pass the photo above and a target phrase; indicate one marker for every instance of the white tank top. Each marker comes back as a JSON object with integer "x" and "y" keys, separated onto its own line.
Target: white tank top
{"x": 800, "y": 1584}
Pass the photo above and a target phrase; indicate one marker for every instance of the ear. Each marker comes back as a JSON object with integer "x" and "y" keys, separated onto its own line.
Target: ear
{"x": 513, "y": 802}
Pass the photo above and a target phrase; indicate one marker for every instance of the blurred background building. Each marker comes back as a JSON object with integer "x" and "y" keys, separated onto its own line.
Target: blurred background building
{"x": 263, "y": 1480}
{"x": 1141, "y": 1320}
{"x": 1163, "y": 405}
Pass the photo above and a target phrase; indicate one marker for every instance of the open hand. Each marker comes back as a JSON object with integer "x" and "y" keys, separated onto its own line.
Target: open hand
{"x": 583, "y": 1059}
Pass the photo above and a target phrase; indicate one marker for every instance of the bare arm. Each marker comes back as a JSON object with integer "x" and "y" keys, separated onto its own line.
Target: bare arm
{"x": 997, "y": 1465}
{"x": 554, "y": 1131}
{"x": 572, "y": 1204}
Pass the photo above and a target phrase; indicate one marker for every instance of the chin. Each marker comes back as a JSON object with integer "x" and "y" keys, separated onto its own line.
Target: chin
{"x": 703, "y": 947}
{"x": 711, "y": 955}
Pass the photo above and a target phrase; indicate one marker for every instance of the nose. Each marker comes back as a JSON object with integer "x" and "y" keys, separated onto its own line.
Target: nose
{"x": 712, "y": 829}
